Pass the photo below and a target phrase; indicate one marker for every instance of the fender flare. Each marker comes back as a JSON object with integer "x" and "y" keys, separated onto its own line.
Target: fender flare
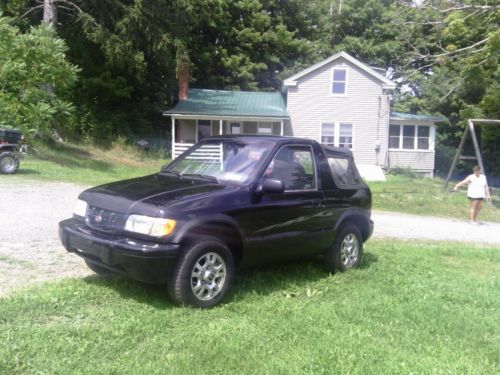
{"x": 204, "y": 225}
{"x": 356, "y": 216}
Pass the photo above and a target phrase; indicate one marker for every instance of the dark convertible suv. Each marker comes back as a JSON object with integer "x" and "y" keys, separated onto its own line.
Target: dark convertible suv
{"x": 226, "y": 203}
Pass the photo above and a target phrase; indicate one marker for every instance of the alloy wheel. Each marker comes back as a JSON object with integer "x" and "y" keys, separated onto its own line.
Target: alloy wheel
{"x": 208, "y": 276}
{"x": 349, "y": 250}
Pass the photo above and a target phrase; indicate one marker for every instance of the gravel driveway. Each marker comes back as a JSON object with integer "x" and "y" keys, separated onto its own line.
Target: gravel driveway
{"x": 30, "y": 251}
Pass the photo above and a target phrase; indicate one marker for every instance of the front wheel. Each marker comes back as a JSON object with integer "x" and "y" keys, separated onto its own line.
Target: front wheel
{"x": 203, "y": 275}
{"x": 347, "y": 250}
{"x": 9, "y": 162}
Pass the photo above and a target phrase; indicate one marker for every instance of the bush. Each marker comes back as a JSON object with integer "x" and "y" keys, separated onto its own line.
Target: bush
{"x": 403, "y": 171}
{"x": 34, "y": 79}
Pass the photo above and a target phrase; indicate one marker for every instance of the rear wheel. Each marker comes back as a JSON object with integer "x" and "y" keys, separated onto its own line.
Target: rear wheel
{"x": 98, "y": 269}
{"x": 347, "y": 250}
{"x": 203, "y": 275}
{"x": 9, "y": 162}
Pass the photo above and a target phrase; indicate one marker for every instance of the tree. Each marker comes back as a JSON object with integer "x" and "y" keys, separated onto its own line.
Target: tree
{"x": 28, "y": 62}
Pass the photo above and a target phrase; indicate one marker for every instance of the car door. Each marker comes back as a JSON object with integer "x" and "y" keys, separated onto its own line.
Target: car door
{"x": 285, "y": 225}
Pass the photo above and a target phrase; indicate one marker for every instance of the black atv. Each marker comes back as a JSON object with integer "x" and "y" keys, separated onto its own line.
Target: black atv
{"x": 10, "y": 142}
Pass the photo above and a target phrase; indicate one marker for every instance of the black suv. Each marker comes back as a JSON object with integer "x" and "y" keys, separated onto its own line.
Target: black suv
{"x": 228, "y": 202}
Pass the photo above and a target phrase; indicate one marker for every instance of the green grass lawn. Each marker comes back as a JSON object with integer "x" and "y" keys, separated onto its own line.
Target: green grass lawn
{"x": 426, "y": 196}
{"x": 422, "y": 308}
{"x": 85, "y": 164}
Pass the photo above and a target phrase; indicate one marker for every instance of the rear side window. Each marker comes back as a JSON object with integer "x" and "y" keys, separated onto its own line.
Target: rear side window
{"x": 344, "y": 171}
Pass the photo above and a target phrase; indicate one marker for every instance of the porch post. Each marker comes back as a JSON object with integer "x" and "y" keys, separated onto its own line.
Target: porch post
{"x": 281, "y": 128}
{"x": 220, "y": 127}
{"x": 173, "y": 138}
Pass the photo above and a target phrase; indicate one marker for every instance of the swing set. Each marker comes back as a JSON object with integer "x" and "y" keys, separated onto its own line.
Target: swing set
{"x": 470, "y": 129}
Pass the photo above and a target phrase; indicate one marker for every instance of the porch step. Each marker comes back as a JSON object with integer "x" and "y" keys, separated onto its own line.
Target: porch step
{"x": 371, "y": 172}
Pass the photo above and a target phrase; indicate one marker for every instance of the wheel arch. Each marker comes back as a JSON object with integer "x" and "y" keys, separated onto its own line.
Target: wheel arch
{"x": 221, "y": 227}
{"x": 359, "y": 219}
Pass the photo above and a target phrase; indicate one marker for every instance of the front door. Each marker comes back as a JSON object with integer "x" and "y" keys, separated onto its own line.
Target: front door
{"x": 287, "y": 225}
{"x": 204, "y": 129}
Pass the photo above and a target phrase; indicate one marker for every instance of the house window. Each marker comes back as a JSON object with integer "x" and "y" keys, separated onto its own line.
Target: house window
{"x": 394, "y": 134}
{"x": 423, "y": 138}
{"x": 337, "y": 134}
{"x": 235, "y": 128}
{"x": 339, "y": 81}
{"x": 204, "y": 129}
{"x": 409, "y": 137}
{"x": 345, "y": 135}
{"x": 328, "y": 133}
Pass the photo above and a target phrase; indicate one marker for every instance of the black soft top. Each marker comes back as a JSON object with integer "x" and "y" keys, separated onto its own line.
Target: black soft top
{"x": 337, "y": 151}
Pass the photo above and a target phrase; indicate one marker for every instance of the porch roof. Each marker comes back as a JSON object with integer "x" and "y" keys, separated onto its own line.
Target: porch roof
{"x": 231, "y": 104}
{"x": 412, "y": 117}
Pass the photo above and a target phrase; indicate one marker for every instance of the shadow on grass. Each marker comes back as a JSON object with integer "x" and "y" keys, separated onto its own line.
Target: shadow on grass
{"x": 154, "y": 295}
{"x": 263, "y": 281}
{"x": 67, "y": 155}
{"x": 26, "y": 172}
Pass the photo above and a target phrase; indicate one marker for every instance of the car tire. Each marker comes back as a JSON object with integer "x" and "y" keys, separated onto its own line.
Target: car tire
{"x": 203, "y": 275}
{"x": 9, "y": 162}
{"x": 103, "y": 271}
{"x": 347, "y": 250}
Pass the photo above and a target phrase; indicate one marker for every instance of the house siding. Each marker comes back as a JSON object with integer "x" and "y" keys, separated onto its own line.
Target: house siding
{"x": 420, "y": 161}
{"x": 365, "y": 105}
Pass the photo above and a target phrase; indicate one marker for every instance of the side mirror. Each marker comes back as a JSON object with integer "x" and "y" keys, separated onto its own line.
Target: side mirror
{"x": 272, "y": 186}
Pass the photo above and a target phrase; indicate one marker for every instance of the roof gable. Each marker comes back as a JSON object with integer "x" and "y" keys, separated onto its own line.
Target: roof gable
{"x": 386, "y": 83}
{"x": 231, "y": 104}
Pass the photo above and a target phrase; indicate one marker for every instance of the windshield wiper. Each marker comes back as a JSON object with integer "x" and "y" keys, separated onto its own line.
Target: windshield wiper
{"x": 203, "y": 176}
{"x": 169, "y": 171}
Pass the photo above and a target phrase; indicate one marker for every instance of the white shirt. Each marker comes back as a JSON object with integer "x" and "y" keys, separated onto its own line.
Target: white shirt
{"x": 477, "y": 186}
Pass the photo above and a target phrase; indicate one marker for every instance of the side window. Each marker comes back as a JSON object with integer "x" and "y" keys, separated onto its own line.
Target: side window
{"x": 344, "y": 171}
{"x": 294, "y": 166}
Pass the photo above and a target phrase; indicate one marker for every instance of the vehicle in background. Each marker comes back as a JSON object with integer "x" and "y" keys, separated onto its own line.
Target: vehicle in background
{"x": 10, "y": 143}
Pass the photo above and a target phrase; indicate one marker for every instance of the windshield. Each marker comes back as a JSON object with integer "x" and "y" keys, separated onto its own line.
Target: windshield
{"x": 228, "y": 159}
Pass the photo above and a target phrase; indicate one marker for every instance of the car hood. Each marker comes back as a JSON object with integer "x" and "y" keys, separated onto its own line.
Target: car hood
{"x": 148, "y": 195}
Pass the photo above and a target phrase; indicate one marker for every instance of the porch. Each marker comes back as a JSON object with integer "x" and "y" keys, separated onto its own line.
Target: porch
{"x": 186, "y": 131}
{"x": 207, "y": 113}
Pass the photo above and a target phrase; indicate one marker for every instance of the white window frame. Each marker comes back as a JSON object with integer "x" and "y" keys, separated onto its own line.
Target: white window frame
{"x": 415, "y": 142}
{"x": 335, "y": 138}
{"x": 336, "y": 132}
{"x": 344, "y": 68}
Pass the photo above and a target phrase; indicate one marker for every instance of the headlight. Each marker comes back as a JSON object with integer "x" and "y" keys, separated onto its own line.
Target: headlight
{"x": 151, "y": 226}
{"x": 80, "y": 208}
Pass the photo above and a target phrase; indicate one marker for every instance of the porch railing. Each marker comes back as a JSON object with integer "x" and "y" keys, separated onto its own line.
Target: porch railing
{"x": 179, "y": 148}
{"x": 206, "y": 152}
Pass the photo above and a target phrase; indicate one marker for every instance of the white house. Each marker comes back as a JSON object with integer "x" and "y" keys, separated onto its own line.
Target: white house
{"x": 339, "y": 101}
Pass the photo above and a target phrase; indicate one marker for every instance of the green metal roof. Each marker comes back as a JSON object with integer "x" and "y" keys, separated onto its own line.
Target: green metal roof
{"x": 411, "y": 117}
{"x": 231, "y": 104}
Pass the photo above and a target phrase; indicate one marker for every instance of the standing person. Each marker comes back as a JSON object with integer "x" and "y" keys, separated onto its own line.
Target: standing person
{"x": 476, "y": 192}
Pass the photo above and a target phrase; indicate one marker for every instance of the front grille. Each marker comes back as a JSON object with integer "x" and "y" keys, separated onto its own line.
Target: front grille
{"x": 104, "y": 220}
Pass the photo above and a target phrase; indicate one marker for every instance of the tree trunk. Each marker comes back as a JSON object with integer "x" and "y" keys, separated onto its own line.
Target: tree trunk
{"x": 49, "y": 12}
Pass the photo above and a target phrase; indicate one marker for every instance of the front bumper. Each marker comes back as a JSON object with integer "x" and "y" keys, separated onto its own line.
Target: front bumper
{"x": 141, "y": 260}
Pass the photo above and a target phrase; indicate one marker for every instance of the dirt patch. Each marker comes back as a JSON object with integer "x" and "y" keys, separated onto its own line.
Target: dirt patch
{"x": 30, "y": 251}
